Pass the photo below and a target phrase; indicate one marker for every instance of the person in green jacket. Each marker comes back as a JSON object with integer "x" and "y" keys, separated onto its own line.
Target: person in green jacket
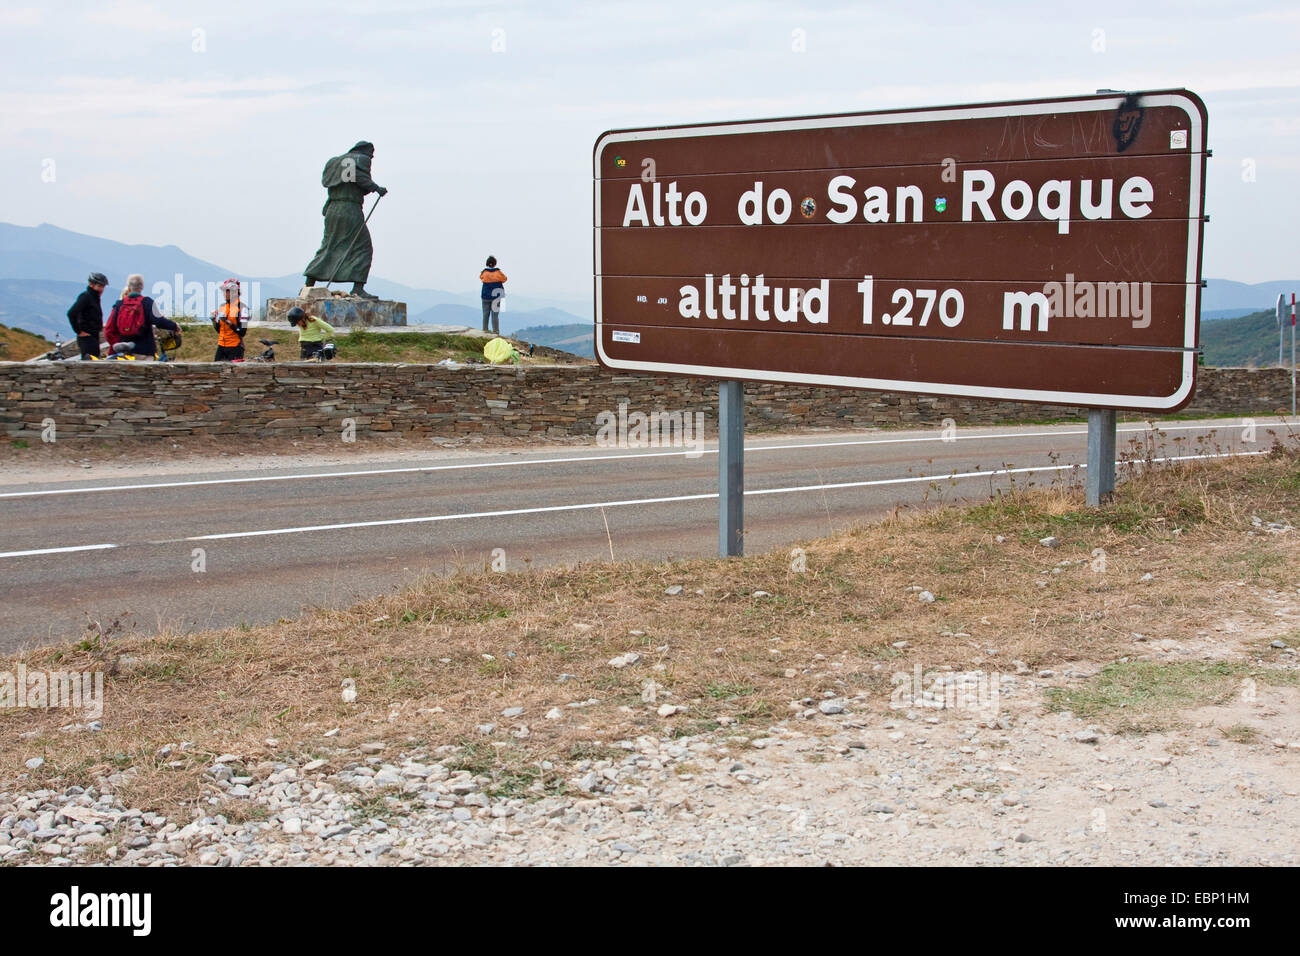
{"x": 311, "y": 332}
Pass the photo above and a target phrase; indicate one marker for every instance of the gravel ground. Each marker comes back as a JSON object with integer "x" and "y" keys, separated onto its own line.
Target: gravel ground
{"x": 840, "y": 781}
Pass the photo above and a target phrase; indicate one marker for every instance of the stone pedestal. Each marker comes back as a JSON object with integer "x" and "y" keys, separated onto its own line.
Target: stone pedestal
{"x": 339, "y": 309}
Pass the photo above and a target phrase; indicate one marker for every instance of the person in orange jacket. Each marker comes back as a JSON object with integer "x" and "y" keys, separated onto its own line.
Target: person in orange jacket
{"x": 494, "y": 281}
{"x": 230, "y": 319}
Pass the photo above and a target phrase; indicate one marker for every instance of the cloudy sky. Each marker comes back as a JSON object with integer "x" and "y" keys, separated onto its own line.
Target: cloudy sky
{"x": 205, "y": 125}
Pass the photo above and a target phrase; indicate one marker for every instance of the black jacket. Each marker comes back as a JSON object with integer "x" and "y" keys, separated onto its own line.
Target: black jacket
{"x": 86, "y": 314}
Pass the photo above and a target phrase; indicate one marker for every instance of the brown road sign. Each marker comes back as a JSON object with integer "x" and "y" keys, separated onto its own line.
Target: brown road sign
{"x": 1044, "y": 250}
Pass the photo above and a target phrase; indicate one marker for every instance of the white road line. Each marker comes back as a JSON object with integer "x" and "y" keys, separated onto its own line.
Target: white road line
{"x": 80, "y": 547}
{"x": 516, "y": 512}
{"x": 252, "y": 479}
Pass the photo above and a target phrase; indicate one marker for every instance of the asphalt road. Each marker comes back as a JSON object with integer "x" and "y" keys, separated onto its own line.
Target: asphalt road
{"x": 273, "y": 542}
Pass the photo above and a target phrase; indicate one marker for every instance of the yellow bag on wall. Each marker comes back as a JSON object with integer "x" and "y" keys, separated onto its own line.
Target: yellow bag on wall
{"x": 499, "y": 350}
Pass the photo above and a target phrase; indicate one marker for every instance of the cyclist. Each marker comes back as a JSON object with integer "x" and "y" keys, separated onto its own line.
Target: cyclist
{"x": 133, "y": 319}
{"x": 230, "y": 319}
{"x": 87, "y": 316}
{"x": 311, "y": 332}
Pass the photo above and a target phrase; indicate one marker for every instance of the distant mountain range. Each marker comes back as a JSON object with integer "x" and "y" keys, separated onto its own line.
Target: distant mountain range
{"x": 43, "y": 269}
{"x": 578, "y": 339}
{"x": 1246, "y": 341}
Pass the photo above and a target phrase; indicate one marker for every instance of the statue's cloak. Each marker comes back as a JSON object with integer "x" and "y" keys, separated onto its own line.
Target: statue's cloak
{"x": 345, "y": 251}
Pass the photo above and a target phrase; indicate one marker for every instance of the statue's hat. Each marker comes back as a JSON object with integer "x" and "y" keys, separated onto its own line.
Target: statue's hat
{"x": 363, "y": 147}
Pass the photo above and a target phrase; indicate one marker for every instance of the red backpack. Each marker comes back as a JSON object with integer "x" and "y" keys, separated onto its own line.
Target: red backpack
{"x": 130, "y": 316}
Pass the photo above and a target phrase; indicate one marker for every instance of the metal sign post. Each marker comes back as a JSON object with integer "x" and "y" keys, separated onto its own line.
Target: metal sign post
{"x": 731, "y": 469}
{"x": 1100, "y": 483}
{"x": 785, "y": 251}
{"x": 1293, "y": 354}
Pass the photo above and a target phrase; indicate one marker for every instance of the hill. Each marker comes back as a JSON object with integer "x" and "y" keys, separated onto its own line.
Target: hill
{"x": 19, "y": 346}
{"x": 512, "y": 319}
{"x": 39, "y": 305}
{"x": 1250, "y": 340}
{"x": 43, "y": 268}
{"x": 1223, "y": 295}
{"x": 576, "y": 337}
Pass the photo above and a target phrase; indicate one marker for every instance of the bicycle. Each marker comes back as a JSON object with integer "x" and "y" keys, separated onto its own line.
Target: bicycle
{"x": 57, "y": 354}
{"x": 268, "y": 354}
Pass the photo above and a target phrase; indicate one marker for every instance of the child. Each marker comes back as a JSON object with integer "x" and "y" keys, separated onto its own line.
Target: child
{"x": 494, "y": 281}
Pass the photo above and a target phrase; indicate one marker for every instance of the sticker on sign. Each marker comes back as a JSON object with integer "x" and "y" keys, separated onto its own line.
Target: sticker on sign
{"x": 1041, "y": 250}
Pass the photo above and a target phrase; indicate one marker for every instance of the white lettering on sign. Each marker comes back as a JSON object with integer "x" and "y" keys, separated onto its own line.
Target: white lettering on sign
{"x": 765, "y": 204}
{"x": 732, "y": 302}
{"x": 1053, "y": 199}
{"x": 1025, "y": 306}
{"x": 666, "y": 206}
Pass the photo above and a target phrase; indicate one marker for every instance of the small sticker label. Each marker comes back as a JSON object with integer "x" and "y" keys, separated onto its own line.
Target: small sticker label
{"x": 633, "y": 337}
{"x": 1178, "y": 139}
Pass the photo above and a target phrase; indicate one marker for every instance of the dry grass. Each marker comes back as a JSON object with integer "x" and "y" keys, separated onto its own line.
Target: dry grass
{"x": 20, "y": 345}
{"x": 434, "y": 661}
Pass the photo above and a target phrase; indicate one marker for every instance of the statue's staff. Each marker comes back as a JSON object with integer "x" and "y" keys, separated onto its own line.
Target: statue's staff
{"x": 346, "y": 252}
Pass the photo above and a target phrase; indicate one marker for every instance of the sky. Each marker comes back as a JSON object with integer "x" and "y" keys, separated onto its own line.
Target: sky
{"x": 205, "y": 125}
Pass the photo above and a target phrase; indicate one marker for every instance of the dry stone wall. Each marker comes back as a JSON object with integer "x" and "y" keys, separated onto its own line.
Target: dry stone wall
{"x": 125, "y": 399}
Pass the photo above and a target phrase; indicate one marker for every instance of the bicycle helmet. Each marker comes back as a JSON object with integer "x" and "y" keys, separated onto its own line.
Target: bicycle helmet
{"x": 295, "y": 315}
{"x": 97, "y": 278}
{"x": 230, "y": 284}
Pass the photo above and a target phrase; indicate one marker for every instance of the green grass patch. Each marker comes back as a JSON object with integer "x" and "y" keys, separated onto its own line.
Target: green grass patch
{"x": 1139, "y": 697}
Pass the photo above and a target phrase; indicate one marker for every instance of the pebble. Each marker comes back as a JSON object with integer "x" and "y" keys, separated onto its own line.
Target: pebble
{"x": 35, "y": 763}
{"x": 925, "y": 597}
{"x": 1051, "y": 541}
{"x": 674, "y": 590}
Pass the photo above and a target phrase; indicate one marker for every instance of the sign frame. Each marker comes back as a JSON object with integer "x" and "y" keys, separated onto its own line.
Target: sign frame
{"x": 1196, "y": 154}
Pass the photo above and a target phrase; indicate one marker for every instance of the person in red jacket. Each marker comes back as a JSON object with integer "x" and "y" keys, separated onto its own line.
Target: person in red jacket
{"x": 494, "y": 281}
{"x": 133, "y": 319}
